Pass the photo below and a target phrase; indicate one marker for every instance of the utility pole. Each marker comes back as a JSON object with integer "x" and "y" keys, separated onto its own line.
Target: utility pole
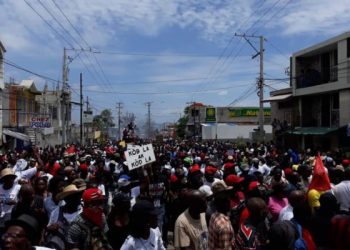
{"x": 63, "y": 95}
{"x": 148, "y": 104}
{"x": 81, "y": 109}
{"x": 193, "y": 113}
{"x": 260, "y": 53}
{"x": 87, "y": 125}
{"x": 261, "y": 90}
{"x": 119, "y": 107}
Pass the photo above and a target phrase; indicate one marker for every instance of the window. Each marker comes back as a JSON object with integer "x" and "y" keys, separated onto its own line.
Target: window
{"x": 335, "y": 101}
{"x": 53, "y": 111}
{"x": 348, "y": 47}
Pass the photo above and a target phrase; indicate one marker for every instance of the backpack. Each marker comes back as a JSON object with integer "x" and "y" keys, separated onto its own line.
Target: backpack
{"x": 95, "y": 238}
{"x": 300, "y": 243}
{"x": 56, "y": 240}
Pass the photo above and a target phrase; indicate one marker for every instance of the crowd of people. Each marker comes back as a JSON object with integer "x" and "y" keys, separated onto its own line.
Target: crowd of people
{"x": 210, "y": 195}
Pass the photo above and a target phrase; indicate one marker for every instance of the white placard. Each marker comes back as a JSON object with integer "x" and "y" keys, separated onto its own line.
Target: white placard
{"x": 138, "y": 156}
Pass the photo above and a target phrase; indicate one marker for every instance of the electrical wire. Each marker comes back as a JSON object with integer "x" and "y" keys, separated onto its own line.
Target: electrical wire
{"x": 73, "y": 38}
{"x": 166, "y": 93}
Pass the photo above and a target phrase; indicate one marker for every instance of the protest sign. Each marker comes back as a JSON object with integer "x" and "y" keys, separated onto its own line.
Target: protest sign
{"x": 138, "y": 156}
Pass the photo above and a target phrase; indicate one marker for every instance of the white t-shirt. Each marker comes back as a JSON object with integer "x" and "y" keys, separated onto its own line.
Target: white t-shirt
{"x": 69, "y": 217}
{"x": 286, "y": 213}
{"x": 26, "y": 174}
{"x": 6, "y": 196}
{"x": 154, "y": 241}
{"x": 342, "y": 193}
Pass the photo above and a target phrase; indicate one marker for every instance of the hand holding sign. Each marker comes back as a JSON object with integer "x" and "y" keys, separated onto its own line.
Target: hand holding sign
{"x": 138, "y": 156}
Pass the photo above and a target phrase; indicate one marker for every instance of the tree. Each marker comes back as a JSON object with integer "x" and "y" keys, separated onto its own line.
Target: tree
{"x": 103, "y": 121}
{"x": 182, "y": 124}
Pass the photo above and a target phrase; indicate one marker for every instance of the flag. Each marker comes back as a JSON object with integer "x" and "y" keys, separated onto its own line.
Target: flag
{"x": 320, "y": 180}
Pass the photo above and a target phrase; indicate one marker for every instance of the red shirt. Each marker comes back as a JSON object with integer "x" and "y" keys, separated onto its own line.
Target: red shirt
{"x": 53, "y": 170}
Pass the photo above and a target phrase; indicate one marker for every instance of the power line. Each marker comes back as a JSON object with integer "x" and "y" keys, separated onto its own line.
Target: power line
{"x": 47, "y": 23}
{"x": 166, "y": 93}
{"x": 226, "y": 47}
{"x": 274, "y": 15}
{"x": 12, "y": 64}
{"x": 79, "y": 34}
{"x": 66, "y": 31}
{"x": 241, "y": 47}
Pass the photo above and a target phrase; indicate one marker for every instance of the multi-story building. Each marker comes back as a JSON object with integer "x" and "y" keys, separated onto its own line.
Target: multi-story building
{"x": 51, "y": 105}
{"x": 34, "y": 116}
{"x": 245, "y": 120}
{"x": 19, "y": 106}
{"x": 317, "y": 106}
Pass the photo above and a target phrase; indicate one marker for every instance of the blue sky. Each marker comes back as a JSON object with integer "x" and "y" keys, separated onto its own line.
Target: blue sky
{"x": 163, "y": 51}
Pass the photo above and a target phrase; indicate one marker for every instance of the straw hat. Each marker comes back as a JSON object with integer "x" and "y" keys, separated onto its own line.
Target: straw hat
{"x": 7, "y": 172}
{"x": 68, "y": 190}
{"x": 80, "y": 184}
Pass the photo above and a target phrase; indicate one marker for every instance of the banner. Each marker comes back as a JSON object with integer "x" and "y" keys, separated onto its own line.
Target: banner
{"x": 210, "y": 115}
{"x": 248, "y": 112}
{"x": 138, "y": 156}
{"x": 40, "y": 122}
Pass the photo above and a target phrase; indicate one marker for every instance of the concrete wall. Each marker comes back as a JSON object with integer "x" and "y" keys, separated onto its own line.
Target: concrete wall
{"x": 230, "y": 132}
{"x": 344, "y": 107}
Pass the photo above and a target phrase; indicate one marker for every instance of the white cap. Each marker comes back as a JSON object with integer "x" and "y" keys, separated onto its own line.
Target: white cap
{"x": 206, "y": 190}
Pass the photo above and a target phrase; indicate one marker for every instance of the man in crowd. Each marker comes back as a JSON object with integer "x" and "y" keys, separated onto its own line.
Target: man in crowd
{"x": 89, "y": 229}
{"x": 221, "y": 234}
{"x": 191, "y": 228}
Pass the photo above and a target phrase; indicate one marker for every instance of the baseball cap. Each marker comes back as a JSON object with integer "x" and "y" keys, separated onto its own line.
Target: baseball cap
{"x": 233, "y": 179}
{"x": 219, "y": 186}
{"x": 195, "y": 168}
{"x": 229, "y": 165}
{"x": 206, "y": 190}
{"x": 210, "y": 170}
{"x": 346, "y": 162}
{"x": 124, "y": 180}
{"x": 92, "y": 194}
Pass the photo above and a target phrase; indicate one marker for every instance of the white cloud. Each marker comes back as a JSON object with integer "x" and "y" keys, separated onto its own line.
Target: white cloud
{"x": 315, "y": 17}
{"x": 223, "y": 92}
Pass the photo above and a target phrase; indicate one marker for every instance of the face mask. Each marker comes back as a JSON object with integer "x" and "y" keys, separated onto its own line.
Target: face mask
{"x": 95, "y": 215}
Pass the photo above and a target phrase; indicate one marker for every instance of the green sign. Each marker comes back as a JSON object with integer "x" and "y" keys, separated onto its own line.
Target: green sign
{"x": 248, "y": 112}
{"x": 210, "y": 115}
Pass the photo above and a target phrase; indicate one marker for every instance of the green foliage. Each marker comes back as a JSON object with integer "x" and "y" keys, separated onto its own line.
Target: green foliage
{"x": 181, "y": 127}
{"x": 103, "y": 121}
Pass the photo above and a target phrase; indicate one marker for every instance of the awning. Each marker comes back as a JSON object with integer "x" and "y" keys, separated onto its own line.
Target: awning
{"x": 311, "y": 131}
{"x": 16, "y": 135}
{"x": 278, "y": 98}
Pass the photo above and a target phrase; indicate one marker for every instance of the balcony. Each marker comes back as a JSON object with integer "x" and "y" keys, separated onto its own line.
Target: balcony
{"x": 313, "y": 77}
{"x": 316, "y": 68}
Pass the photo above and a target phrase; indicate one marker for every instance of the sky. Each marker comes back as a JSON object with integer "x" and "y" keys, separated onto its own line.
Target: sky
{"x": 167, "y": 52}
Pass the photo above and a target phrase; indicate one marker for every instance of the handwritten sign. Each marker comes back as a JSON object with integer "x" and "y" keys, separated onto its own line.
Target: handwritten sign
{"x": 138, "y": 156}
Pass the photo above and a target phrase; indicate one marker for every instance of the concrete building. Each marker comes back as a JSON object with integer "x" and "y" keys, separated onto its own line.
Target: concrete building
{"x": 50, "y": 103}
{"x": 317, "y": 106}
{"x": 2, "y": 82}
{"x": 19, "y": 107}
{"x": 227, "y": 120}
{"x": 31, "y": 116}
